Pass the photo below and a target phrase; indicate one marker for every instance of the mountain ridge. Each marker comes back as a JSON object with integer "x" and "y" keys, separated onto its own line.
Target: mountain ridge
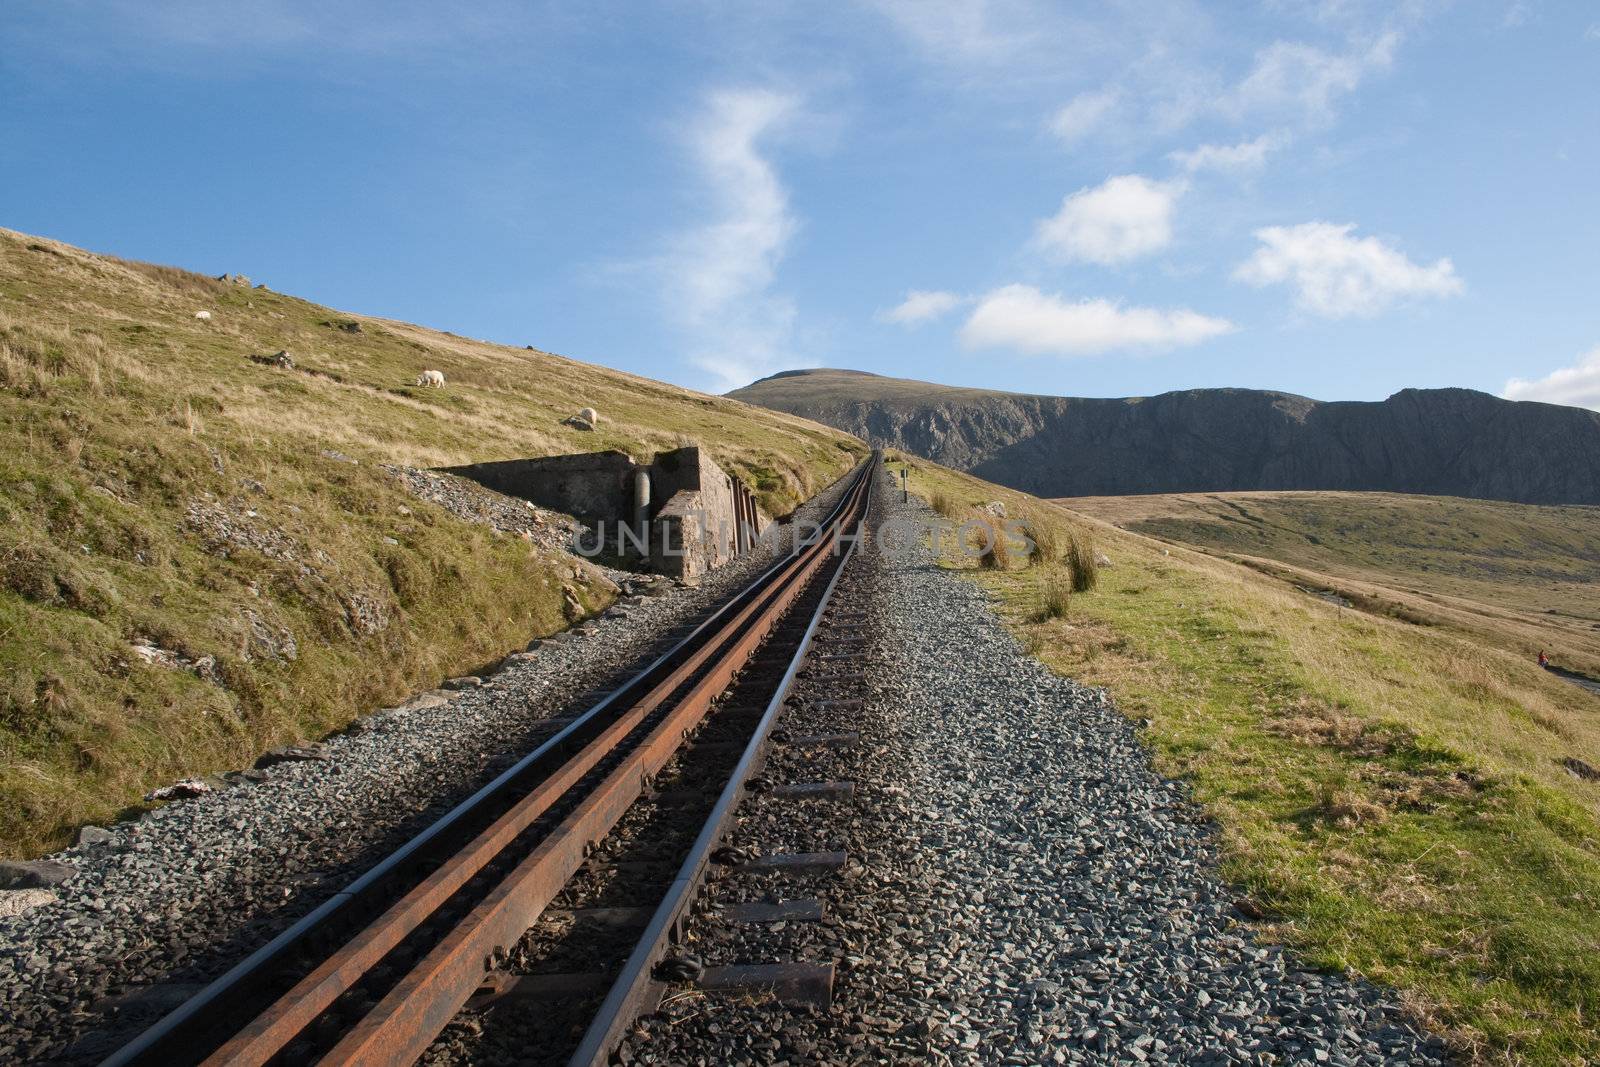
{"x": 1447, "y": 441}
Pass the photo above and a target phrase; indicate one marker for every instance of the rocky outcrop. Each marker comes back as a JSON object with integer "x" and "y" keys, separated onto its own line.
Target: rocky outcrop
{"x": 1450, "y": 442}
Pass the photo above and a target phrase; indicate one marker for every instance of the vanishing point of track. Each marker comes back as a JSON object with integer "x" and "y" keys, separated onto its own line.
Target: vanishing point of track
{"x": 374, "y": 974}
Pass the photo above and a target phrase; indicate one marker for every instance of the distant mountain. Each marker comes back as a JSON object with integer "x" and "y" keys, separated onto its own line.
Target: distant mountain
{"x": 1450, "y": 442}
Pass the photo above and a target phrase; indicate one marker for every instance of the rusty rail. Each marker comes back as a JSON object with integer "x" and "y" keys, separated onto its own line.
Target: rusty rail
{"x": 636, "y": 991}
{"x": 431, "y": 870}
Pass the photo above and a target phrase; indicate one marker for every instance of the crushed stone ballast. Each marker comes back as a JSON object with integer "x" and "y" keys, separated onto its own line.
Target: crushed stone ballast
{"x": 1021, "y": 886}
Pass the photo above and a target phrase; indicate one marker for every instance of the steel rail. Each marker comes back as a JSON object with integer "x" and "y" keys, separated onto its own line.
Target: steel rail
{"x": 408, "y": 1018}
{"x": 270, "y": 1032}
{"x": 635, "y": 991}
{"x": 554, "y": 767}
{"x": 423, "y": 1003}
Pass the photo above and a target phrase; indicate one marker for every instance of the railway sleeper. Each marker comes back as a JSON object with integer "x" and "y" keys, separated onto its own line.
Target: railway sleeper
{"x": 814, "y": 791}
{"x": 789, "y": 983}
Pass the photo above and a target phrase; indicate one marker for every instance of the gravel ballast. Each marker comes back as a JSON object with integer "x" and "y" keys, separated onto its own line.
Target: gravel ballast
{"x": 1023, "y": 888}
{"x": 161, "y": 905}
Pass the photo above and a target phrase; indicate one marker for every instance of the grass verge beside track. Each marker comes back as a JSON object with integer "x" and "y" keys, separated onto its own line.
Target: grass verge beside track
{"x": 1390, "y": 795}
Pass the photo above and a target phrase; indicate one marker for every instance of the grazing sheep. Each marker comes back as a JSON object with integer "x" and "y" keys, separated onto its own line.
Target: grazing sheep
{"x": 431, "y": 378}
{"x": 203, "y": 316}
{"x": 586, "y": 419}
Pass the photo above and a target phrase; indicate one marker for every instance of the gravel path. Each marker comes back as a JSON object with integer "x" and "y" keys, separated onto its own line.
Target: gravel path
{"x": 1023, "y": 888}
{"x": 170, "y": 901}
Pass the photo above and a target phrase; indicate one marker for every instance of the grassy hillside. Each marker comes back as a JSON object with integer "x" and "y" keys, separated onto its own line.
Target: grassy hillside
{"x": 158, "y": 484}
{"x": 1521, "y": 576}
{"x": 1390, "y": 793}
{"x": 804, "y": 389}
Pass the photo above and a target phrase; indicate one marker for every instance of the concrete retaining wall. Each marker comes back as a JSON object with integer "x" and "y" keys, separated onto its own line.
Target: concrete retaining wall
{"x": 698, "y": 517}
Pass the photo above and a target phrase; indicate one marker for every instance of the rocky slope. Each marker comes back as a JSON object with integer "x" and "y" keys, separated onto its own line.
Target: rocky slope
{"x": 1451, "y": 442}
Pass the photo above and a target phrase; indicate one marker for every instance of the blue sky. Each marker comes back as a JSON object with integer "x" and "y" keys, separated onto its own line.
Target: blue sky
{"x": 1338, "y": 198}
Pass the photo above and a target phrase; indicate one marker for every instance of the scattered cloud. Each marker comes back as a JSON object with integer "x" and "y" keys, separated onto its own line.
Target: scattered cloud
{"x": 919, "y": 306}
{"x": 1338, "y": 275}
{"x": 1083, "y": 114}
{"x": 1122, "y": 219}
{"x": 1577, "y": 385}
{"x": 1294, "y": 78}
{"x": 1235, "y": 158}
{"x": 718, "y": 277}
{"x": 1593, "y": 32}
{"x": 967, "y": 31}
{"x": 1023, "y": 318}
{"x": 1515, "y": 16}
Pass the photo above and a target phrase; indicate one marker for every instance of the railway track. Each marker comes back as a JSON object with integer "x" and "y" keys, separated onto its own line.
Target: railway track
{"x": 375, "y": 973}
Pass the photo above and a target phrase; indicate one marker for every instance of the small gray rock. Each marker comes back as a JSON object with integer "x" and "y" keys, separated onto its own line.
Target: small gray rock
{"x": 33, "y": 874}
{"x": 95, "y": 835}
{"x": 289, "y": 754}
{"x": 14, "y": 902}
{"x": 1579, "y": 769}
{"x": 189, "y": 787}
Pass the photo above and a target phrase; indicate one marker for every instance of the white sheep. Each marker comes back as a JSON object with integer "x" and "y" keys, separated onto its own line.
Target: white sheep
{"x": 590, "y": 415}
{"x": 431, "y": 378}
{"x": 203, "y": 316}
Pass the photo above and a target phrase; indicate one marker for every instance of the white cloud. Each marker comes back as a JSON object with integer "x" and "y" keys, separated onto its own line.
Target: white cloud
{"x": 1338, "y": 275}
{"x": 966, "y": 31}
{"x": 1081, "y": 115}
{"x": 718, "y": 277}
{"x": 1126, "y": 217}
{"x": 920, "y": 305}
{"x": 1023, "y": 318}
{"x": 738, "y": 253}
{"x": 1245, "y": 156}
{"x": 1577, "y": 385}
{"x": 1293, "y": 77}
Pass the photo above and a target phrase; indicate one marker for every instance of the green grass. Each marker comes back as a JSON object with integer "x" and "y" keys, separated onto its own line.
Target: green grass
{"x": 1520, "y": 573}
{"x": 1389, "y": 793}
{"x": 123, "y": 419}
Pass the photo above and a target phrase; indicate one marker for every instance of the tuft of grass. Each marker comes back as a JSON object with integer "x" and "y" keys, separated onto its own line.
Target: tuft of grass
{"x": 947, "y": 505}
{"x": 993, "y": 542}
{"x": 1081, "y": 562}
{"x": 1046, "y": 539}
{"x": 1054, "y": 597}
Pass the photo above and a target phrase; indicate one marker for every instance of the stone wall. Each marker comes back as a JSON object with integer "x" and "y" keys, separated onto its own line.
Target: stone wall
{"x": 592, "y": 486}
{"x": 708, "y": 519}
{"x": 699, "y": 517}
